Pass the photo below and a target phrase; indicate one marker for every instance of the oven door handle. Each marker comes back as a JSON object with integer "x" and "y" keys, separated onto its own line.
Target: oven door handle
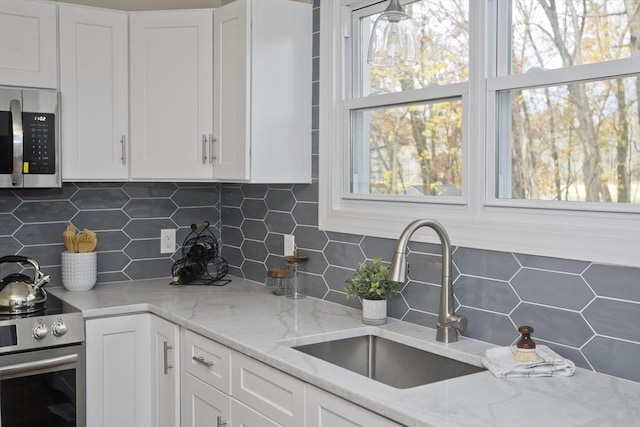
{"x": 21, "y": 368}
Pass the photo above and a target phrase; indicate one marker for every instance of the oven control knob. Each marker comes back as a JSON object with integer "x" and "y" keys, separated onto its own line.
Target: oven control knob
{"x": 59, "y": 328}
{"x": 40, "y": 330}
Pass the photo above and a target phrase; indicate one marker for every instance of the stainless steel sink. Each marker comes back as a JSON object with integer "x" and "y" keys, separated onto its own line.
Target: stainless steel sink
{"x": 389, "y": 362}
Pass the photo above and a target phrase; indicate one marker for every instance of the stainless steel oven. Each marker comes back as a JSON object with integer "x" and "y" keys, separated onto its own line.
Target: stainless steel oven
{"x": 42, "y": 368}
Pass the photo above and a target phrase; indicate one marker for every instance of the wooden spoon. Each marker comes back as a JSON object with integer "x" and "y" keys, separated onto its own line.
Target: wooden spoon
{"x": 93, "y": 238}
{"x": 69, "y": 239}
{"x": 87, "y": 241}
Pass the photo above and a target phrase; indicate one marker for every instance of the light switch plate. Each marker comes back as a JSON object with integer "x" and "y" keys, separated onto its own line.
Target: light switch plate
{"x": 289, "y": 244}
{"x": 167, "y": 241}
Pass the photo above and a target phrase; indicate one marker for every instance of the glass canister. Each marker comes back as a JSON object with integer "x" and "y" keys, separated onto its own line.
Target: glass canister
{"x": 293, "y": 262}
{"x": 277, "y": 281}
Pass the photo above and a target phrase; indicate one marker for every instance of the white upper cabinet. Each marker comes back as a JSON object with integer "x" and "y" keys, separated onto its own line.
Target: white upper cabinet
{"x": 175, "y": 95}
{"x": 262, "y": 91}
{"x": 28, "y": 44}
{"x": 94, "y": 83}
{"x": 171, "y": 94}
{"x": 231, "y": 143}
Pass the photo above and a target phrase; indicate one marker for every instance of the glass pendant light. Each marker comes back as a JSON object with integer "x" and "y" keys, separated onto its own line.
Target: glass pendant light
{"x": 393, "y": 39}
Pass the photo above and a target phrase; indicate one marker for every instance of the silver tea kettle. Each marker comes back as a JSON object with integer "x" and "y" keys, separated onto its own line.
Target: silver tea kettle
{"x": 19, "y": 294}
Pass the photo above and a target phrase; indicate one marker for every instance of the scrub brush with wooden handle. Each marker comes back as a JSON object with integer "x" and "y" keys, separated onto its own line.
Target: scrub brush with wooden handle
{"x": 525, "y": 347}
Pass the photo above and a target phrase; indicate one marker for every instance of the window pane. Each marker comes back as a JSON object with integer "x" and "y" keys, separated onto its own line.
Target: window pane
{"x": 562, "y": 33}
{"x": 413, "y": 150}
{"x": 442, "y": 36}
{"x": 576, "y": 142}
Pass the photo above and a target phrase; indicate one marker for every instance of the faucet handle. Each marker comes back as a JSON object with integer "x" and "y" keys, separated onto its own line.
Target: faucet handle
{"x": 456, "y": 321}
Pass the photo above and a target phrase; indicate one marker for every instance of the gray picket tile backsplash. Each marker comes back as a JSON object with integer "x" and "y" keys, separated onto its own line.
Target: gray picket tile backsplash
{"x": 569, "y": 302}
{"x": 126, "y": 216}
{"x": 586, "y": 312}
{"x": 552, "y": 288}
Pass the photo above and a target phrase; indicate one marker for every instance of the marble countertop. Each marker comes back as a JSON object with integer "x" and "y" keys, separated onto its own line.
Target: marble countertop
{"x": 242, "y": 316}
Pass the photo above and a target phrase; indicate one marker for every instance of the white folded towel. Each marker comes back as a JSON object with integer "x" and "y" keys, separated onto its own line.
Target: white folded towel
{"x": 500, "y": 361}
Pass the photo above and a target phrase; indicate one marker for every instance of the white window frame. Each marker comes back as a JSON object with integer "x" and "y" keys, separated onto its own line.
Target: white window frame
{"x": 478, "y": 219}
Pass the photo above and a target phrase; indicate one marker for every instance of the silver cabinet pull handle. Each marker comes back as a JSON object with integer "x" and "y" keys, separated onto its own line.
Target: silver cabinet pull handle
{"x": 166, "y": 349}
{"x": 211, "y": 141}
{"x": 220, "y": 423}
{"x": 203, "y": 361}
{"x": 204, "y": 149}
{"x": 123, "y": 147}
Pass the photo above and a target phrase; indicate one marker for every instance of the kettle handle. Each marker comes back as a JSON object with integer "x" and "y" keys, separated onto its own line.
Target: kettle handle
{"x": 15, "y": 258}
{"x": 23, "y": 259}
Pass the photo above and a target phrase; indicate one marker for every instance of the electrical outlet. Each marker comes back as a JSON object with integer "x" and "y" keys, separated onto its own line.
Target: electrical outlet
{"x": 289, "y": 244}
{"x": 167, "y": 241}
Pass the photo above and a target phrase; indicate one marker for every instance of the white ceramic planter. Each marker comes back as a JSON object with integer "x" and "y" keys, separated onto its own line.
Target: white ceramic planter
{"x": 374, "y": 312}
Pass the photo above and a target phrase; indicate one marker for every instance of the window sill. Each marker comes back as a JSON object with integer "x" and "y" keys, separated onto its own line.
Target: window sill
{"x": 604, "y": 238}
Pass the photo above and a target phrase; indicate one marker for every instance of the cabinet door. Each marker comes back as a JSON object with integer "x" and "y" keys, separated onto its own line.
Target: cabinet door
{"x": 28, "y": 44}
{"x": 326, "y": 410}
{"x": 165, "y": 373}
{"x": 118, "y": 383}
{"x": 262, "y": 91}
{"x": 171, "y": 94}
{"x": 202, "y": 405}
{"x": 231, "y": 118}
{"x": 272, "y": 393}
{"x": 243, "y": 416}
{"x": 94, "y": 82}
{"x": 281, "y": 70}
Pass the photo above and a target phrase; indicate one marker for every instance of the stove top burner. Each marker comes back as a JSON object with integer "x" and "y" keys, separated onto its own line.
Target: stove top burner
{"x": 52, "y": 306}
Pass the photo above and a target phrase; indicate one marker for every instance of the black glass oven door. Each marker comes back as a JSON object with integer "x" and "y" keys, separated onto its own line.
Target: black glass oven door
{"x": 39, "y": 400}
{"x": 49, "y": 395}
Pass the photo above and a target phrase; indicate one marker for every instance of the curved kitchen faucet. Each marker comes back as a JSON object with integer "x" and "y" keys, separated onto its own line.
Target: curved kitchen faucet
{"x": 448, "y": 321}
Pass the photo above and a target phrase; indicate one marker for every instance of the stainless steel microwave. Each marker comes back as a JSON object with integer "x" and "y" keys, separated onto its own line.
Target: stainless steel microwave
{"x": 29, "y": 138}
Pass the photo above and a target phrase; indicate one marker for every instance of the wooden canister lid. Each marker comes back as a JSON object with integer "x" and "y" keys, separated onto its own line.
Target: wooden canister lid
{"x": 279, "y": 273}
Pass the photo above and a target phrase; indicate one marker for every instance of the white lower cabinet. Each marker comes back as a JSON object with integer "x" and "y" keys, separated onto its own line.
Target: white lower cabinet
{"x": 118, "y": 350}
{"x": 205, "y": 382}
{"x": 271, "y": 392}
{"x": 165, "y": 373}
{"x": 206, "y": 360}
{"x": 144, "y": 371}
{"x": 327, "y": 410}
{"x": 132, "y": 375}
{"x": 201, "y": 404}
{"x": 234, "y": 390}
{"x": 244, "y": 416}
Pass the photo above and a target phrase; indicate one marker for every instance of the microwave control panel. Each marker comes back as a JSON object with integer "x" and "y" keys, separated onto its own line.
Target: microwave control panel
{"x": 39, "y": 143}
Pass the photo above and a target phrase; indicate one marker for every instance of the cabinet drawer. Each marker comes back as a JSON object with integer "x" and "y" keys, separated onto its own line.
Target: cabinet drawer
{"x": 274, "y": 394}
{"x": 206, "y": 360}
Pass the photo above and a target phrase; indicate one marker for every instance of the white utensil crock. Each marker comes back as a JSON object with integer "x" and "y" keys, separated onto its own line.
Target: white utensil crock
{"x": 79, "y": 270}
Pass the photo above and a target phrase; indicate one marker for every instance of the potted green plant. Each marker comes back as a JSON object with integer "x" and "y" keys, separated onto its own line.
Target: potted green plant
{"x": 371, "y": 283}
